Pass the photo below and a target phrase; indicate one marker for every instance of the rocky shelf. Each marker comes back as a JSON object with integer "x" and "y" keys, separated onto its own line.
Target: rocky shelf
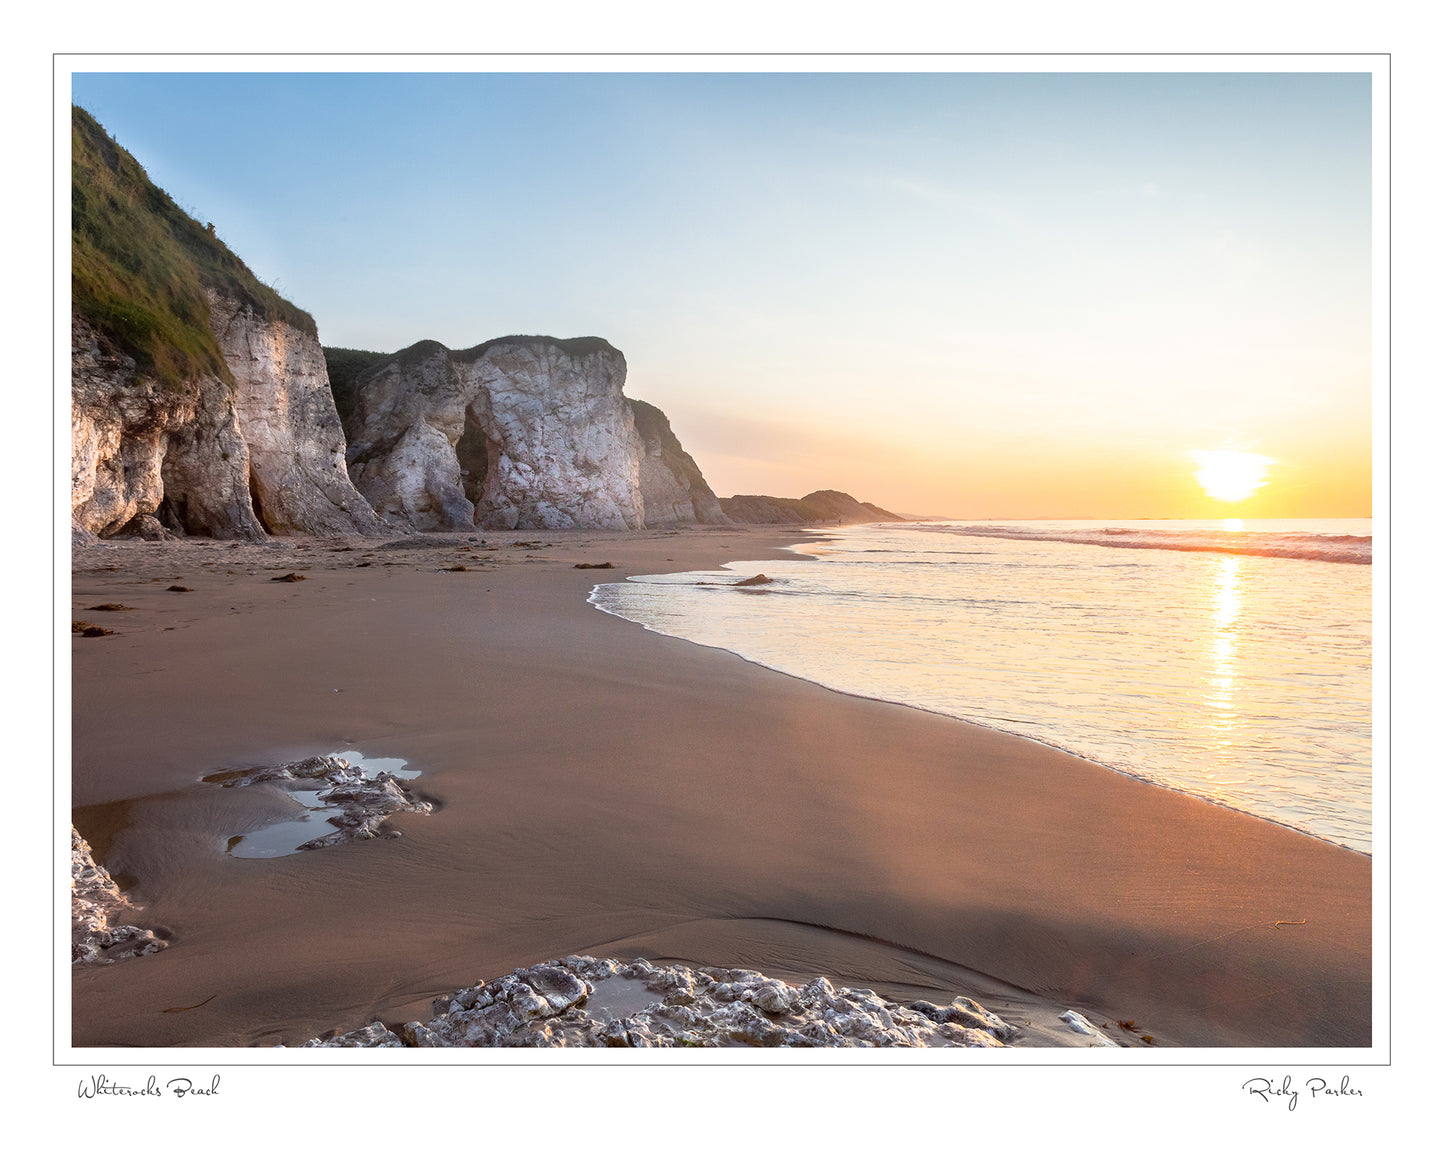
{"x": 579, "y": 1001}
{"x": 96, "y": 906}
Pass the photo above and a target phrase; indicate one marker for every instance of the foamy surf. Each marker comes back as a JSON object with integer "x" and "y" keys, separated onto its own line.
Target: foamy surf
{"x": 1256, "y": 539}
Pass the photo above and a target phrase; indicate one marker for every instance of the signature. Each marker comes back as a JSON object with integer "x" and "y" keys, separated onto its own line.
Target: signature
{"x": 1314, "y": 1088}
{"x": 181, "y": 1087}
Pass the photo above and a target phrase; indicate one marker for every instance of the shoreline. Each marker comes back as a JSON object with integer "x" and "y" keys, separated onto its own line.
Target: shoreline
{"x": 1042, "y": 742}
{"x": 1136, "y": 776}
{"x": 768, "y": 839}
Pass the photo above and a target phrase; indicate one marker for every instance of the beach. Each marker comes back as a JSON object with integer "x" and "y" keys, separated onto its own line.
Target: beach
{"x": 598, "y": 789}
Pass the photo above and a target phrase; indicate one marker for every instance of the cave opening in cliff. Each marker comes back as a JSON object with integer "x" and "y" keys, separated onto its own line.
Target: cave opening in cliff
{"x": 172, "y": 515}
{"x": 474, "y": 457}
{"x": 257, "y": 506}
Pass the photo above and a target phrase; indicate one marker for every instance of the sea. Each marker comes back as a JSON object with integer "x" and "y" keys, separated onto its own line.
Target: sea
{"x": 1227, "y": 659}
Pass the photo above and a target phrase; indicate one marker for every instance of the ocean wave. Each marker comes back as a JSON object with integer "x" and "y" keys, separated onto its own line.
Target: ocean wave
{"x": 1354, "y": 549}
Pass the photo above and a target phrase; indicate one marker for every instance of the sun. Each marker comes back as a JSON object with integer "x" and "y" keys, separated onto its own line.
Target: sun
{"x": 1230, "y": 475}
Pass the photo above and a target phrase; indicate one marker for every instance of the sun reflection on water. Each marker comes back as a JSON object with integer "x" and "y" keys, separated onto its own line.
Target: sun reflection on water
{"x": 1223, "y": 645}
{"x": 1242, "y": 678}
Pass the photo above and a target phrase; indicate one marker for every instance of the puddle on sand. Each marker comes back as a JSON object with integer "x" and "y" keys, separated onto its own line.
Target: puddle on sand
{"x": 286, "y": 836}
{"x": 617, "y": 998}
{"x": 374, "y": 767}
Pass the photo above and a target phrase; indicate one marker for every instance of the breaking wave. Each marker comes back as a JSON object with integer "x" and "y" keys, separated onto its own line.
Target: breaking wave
{"x": 1261, "y": 543}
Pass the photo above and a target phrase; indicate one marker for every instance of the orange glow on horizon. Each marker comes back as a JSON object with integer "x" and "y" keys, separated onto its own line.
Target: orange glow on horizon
{"x": 971, "y": 476}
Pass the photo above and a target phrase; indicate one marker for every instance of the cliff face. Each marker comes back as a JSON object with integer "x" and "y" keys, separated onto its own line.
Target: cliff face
{"x": 139, "y": 449}
{"x": 119, "y": 423}
{"x": 819, "y": 506}
{"x": 297, "y": 452}
{"x": 206, "y": 457}
{"x": 528, "y": 433}
{"x": 199, "y": 397}
{"x": 519, "y": 432}
{"x": 673, "y": 488}
{"x": 201, "y": 402}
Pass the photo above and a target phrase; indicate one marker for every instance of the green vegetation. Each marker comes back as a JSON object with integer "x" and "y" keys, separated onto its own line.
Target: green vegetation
{"x": 140, "y": 266}
{"x": 343, "y": 367}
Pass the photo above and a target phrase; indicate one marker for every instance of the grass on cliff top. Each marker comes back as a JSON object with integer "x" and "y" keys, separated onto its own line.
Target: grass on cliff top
{"x": 140, "y": 265}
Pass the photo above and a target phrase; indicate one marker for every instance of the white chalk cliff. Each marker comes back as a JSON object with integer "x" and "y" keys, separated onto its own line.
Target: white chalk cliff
{"x": 265, "y": 455}
{"x": 202, "y": 402}
{"x": 518, "y": 432}
{"x": 288, "y": 418}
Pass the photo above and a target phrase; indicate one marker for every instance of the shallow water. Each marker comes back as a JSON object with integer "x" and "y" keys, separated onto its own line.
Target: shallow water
{"x": 616, "y": 997}
{"x": 287, "y": 836}
{"x": 1230, "y": 660}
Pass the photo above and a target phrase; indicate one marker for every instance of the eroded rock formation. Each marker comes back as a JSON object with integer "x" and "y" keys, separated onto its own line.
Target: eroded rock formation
{"x": 98, "y": 933}
{"x": 121, "y": 424}
{"x": 264, "y": 456}
{"x": 361, "y": 803}
{"x": 283, "y": 404}
{"x": 517, "y": 433}
{"x": 579, "y": 1001}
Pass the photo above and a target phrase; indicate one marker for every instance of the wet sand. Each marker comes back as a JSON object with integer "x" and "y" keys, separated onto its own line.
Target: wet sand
{"x": 607, "y": 791}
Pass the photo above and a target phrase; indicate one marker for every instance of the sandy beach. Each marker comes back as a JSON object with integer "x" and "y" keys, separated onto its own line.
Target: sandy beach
{"x": 603, "y": 790}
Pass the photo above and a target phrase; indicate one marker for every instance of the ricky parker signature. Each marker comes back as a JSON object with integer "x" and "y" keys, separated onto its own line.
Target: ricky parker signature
{"x": 1314, "y": 1088}
{"x": 100, "y": 1087}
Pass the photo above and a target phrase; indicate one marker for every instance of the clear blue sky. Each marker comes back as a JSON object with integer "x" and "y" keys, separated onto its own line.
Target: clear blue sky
{"x": 1011, "y": 295}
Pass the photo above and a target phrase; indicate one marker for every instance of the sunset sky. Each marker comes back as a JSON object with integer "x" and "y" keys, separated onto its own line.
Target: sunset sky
{"x": 974, "y": 295}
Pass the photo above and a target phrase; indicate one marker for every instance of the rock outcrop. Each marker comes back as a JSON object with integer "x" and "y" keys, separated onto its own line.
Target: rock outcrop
{"x": 97, "y": 909}
{"x": 120, "y": 428}
{"x": 266, "y": 455}
{"x": 356, "y": 804}
{"x": 516, "y": 433}
{"x": 819, "y": 506}
{"x": 284, "y": 410}
{"x": 580, "y": 1001}
{"x": 205, "y": 468}
{"x": 673, "y": 488}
